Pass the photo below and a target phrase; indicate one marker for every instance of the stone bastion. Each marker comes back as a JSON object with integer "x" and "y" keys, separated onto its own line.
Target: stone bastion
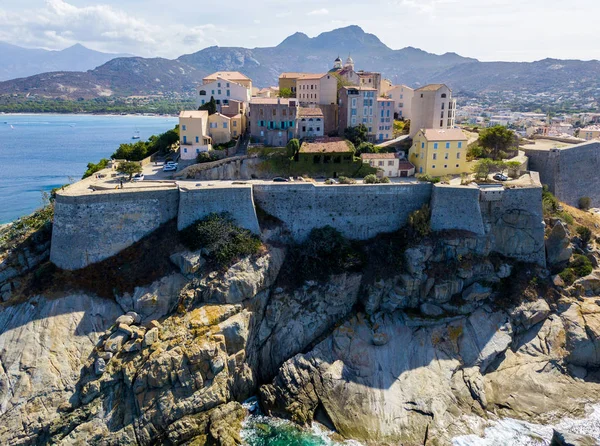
{"x": 90, "y": 226}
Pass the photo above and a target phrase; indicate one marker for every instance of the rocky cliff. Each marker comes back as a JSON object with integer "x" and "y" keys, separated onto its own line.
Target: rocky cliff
{"x": 416, "y": 352}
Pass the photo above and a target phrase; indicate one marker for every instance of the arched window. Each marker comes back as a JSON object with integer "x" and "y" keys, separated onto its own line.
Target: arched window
{"x": 310, "y": 119}
{"x": 202, "y": 92}
{"x": 443, "y": 95}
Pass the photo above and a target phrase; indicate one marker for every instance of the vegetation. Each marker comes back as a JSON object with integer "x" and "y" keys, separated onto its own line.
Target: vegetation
{"x": 206, "y": 157}
{"x": 401, "y": 128}
{"x": 325, "y": 252}
{"x": 585, "y": 234}
{"x": 585, "y": 203}
{"x": 129, "y": 168}
{"x": 285, "y": 93}
{"x": 483, "y": 168}
{"x": 142, "y": 149}
{"x": 580, "y": 266}
{"x": 224, "y": 241}
{"x": 552, "y": 208}
{"x": 419, "y": 222}
{"x": 293, "y": 147}
{"x": 93, "y": 168}
{"x": 372, "y": 179}
{"x": 514, "y": 168}
{"x": 356, "y": 135}
{"x": 426, "y": 178}
{"x": 106, "y": 105}
{"x": 346, "y": 180}
{"x": 496, "y": 140}
{"x": 210, "y": 106}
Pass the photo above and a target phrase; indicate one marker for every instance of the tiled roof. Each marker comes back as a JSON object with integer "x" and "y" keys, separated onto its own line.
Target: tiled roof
{"x": 378, "y": 156}
{"x": 326, "y": 145}
{"x": 356, "y": 87}
{"x": 231, "y": 75}
{"x": 431, "y": 87}
{"x": 405, "y": 165}
{"x": 291, "y": 75}
{"x": 273, "y": 101}
{"x": 444, "y": 135}
{"x": 194, "y": 114}
{"x": 310, "y": 111}
{"x": 312, "y": 76}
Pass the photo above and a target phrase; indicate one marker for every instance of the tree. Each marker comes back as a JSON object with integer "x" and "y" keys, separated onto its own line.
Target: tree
{"x": 366, "y": 147}
{"x": 293, "y": 147}
{"x": 483, "y": 168}
{"x": 585, "y": 203}
{"x": 585, "y": 234}
{"x": 370, "y": 179}
{"x": 356, "y": 135}
{"x": 210, "y": 106}
{"x": 496, "y": 139}
{"x": 129, "y": 168}
{"x": 286, "y": 93}
{"x": 514, "y": 168}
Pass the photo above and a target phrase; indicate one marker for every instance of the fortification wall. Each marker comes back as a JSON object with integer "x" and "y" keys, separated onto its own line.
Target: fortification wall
{"x": 456, "y": 207}
{"x": 92, "y": 227}
{"x": 358, "y": 211}
{"x": 197, "y": 203}
{"x": 570, "y": 172}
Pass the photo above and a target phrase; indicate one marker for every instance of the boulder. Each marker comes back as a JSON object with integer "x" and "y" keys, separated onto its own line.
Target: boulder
{"x": 99, "y": 366}
{"x": 569, "y": 439}
{"x": 431, "y": 310}
{"x": 114, "y": 343}
{"x": 124, "y": 320}
{"x": 188, "y": 262}
{"x": 151, "y": 337}
{"x": 136, "y": 317}
{"x": 476, "y": 292}
{"x": 529, "y": 314}
{"x": 558, "y": 249}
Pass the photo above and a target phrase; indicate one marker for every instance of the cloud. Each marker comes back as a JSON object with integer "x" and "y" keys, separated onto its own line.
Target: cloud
{"x": 321, "y": 11}
{"x": 59, "y": 24}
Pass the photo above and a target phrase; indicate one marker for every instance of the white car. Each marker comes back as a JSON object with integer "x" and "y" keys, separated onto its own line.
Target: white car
{"x": 171, "y": 163}
{"x": 138, "y": 177}
{"x": 169, "y": 167}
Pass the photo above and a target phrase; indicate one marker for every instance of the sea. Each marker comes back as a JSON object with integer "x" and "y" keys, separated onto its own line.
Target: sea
{"x": 41, "y": 152}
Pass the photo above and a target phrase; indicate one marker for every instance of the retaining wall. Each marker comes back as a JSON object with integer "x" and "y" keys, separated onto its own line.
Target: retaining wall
{"x": 456, "y": 207}
{"x": 92, "y": 227}
{"x": 357, "y": 211}
{"x": 197, "y": 203}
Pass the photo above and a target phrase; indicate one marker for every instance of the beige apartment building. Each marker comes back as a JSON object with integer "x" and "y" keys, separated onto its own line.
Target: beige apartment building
{"x": 590, "y": 132}
{"x": 432, "y": 108}
{"x": 310, "y": 122}
{"x": 223, "y": 128}
{"x": 231, "y": 76}
{"x": 288, "y": 80}
{"x": 402, "y": 96}
{"x": 358, "y": 105}
{"x": 316, "y": 89}
{"x": 392, "y": 165}
{"x": 193, "y": 133}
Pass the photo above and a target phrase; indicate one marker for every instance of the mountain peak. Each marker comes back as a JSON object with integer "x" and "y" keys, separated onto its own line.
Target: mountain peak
{"x": 295, "y": 39}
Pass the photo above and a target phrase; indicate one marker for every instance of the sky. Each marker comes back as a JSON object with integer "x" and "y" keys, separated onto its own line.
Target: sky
{"x": 509, "y": 30}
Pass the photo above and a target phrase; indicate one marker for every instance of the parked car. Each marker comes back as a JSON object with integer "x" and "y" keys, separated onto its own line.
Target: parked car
{"x": 500, "y": 177}
{"x": 171, "y": 163}
{"x": 280, "y": 180}
{"x": 138, "y": 177}
{"x": 169, "y": 167}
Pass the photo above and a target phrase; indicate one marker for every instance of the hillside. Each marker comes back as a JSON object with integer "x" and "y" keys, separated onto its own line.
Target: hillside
{"x": 411, "y": 66}
{"x": 20, "y": 62}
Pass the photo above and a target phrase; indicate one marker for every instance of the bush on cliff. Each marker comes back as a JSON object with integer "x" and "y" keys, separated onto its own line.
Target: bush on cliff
{"x": 419, "y": 222}
{"x": 580, "y": 266}
{"x": 585, "y": 203}
{"x": 585, "y": 234}
{"x": 93, "y": 168}
{"x": 224, "y": 241}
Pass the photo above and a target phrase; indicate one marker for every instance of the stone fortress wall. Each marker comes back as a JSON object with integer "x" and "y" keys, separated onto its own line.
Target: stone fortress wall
{"x": 570, "y": 172}
{"x": 93, "y": 226}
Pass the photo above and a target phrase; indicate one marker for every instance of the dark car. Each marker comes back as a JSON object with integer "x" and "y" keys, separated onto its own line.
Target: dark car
{"x": 281, "y": 180}
{"x": 500, "y": 177}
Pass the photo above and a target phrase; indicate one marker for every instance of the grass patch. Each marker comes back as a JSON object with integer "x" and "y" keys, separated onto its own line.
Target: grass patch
{"x": 579, "y": 266}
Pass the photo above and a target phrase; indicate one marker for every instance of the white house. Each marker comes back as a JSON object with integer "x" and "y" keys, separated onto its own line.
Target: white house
{"x": 402, "y": 97}
{"x": 223, "y": 91}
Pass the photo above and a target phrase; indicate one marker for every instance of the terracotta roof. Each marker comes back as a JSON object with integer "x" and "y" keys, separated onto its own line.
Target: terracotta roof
{"x": 356, "y": 87}
{"x": 314, "y": 76}
{"x": 231, "y": 75}
{"x": 194, "y": 114}
{"x": 444, "y": 135}
{"x": 232, "y": 116}
{"x": 405, "y": 165}
{"x": 291, "y": 75}
{"x": 385, "y": 99}
{"x": 273, "y": 101}
{"x": 345, "y": 70}
{"x": 310, "y": 111}
{"x": 378, "y": 156}
{"x": 431, "y": 87}
{"x": 326, "y": 145}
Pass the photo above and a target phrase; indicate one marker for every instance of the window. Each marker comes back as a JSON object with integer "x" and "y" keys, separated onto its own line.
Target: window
{"x": 213, "y": 92}
{"x": 202, "y": 92}
{"x": 227, "y": 84}
{"x": 435, "y": 156}
{"x": 433, "y": 167}
{"x": 445, "y": 166}
{"x": 460, "y": 144}
{"x": 442, "y": 123}
{"x": 284, "y": 112}
{"x": 197, "y": 139}
{"x": 443, "y": 95}
{"x": 442, "y": 105}
{"x": 447, "y": 145}
{"x": 184, "y": 150}
{"x": 262, "y": 133}
{"x": 422, "y": 145}
{"x": 203, "y": 101}
{"x": 445, "y": 156}
{"x": 228, "y": 92}
{"x": 457, "y": 157}
{"x": 390, "y": 163}
{"x": 381, "y": 163}
{"x": 274, "y": 112}
{"x": 435, "y": 145}
{"x": 224, "y": 125}
{"x": 184, "y": 127}
{"x": 421, "y": 94}
{"x": 235, "y": 123}
{"x": 457, "y": 165}
{"x": 235, "y": 133}
{"x": 219, "y": 84}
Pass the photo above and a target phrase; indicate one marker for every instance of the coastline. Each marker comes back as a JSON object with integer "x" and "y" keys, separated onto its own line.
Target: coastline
{"x": 124, "y": 115}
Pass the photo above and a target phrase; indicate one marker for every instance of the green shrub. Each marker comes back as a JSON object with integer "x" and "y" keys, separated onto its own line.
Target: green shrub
{"x": 222, "y": 238}
{"x": 427, "y": 178}
{"x": 346, "y": 180}
{"x": 384, "y": 180}
{"x": 370, "y": 179}
{"x": 419, "y": 221}
{"x": 566, "y": 217}
{"x": 585, "y": 203}
{"x": 550, "y": 204}
{"x": 93, "y": 168}
{"x": 206, "y": 157}
{"x": 580, "y": 266}
{"x": 585, "y": 234}
{"x": 129, "y": 168}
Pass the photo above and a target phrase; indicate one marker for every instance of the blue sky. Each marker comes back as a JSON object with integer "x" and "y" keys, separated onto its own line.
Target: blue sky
{"x": 514, "y": 30}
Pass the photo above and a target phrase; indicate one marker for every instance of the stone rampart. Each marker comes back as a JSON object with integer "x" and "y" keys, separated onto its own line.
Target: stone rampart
{"x": 570, "y": 172}
{"x": 456, "y": 207}
{"x": 94, "y": 226}
{"x": 357, "y": 211}
{"x": 196, "y": 203}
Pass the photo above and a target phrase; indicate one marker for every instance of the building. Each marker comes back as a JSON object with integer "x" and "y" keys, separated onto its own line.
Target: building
{"x": 402, "y": 97}
{"x": 370, "y": 79}
{"x": 273, "y": 120}
{"x": 223, "y": 91}
{"x": 333, "y": 155}
{"x": 310, "y": 122}
{"x": 392, "y": 165}
{"x": 193, "y": 133}
{"x": 590, "y": 132}
{"x": 223, "y": 128}
{"x": 432, "y": 108}
{"x": 438, "y": 152}
{"x": 385, "y": 119}
{"x": 316, "y": 89}
{"x": 288, "y": 80}
{"x": 230, "y": 76}
{"x": 358, "y": 105}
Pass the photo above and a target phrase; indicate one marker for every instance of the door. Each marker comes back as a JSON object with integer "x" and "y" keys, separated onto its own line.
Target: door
{"x": 403, "y": 173}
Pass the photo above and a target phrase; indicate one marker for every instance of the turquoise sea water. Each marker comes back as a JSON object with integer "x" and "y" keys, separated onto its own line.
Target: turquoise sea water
{"x": 40, "y": 152}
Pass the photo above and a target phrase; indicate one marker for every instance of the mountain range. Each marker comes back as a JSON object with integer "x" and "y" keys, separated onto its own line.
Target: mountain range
{"x": 20, "y": 62}
{"x": 129, "y": 76}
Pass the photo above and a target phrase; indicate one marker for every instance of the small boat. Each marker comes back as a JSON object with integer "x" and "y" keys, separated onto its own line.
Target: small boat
{"x": 136, "y": 135}
{"x": 12, "y": 127}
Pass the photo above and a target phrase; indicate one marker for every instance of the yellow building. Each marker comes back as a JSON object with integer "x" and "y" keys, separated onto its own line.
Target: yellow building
{"x": 193, "y": 133}
{"x": 223, "y": 128}
{"x": 438, "y": 152}
{"x": 288, "y": 80}
{"x": 589, "y": 133}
